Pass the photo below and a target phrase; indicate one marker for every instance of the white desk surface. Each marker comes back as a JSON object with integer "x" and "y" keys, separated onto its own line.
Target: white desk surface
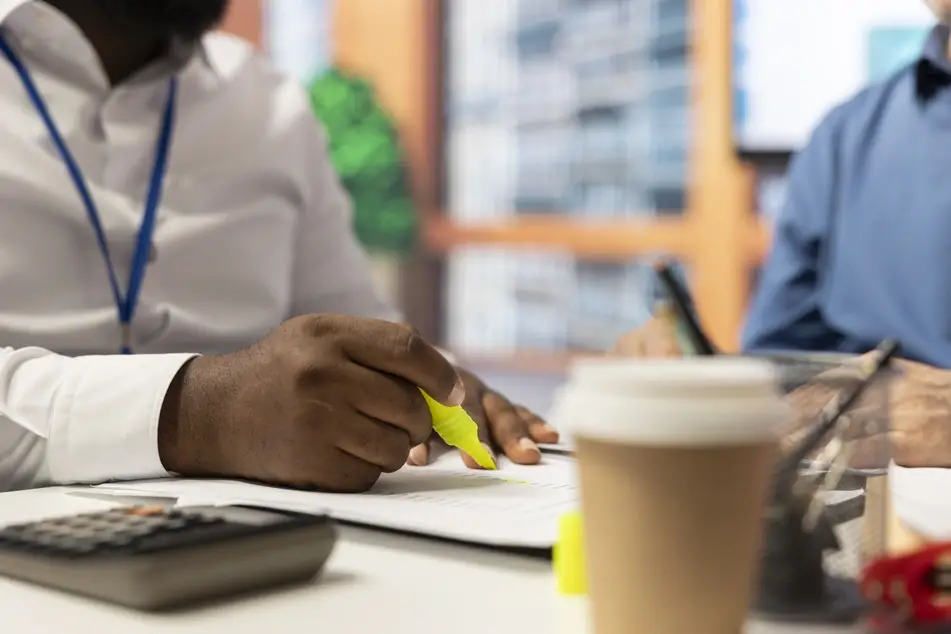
{"x": 374, "y": 582}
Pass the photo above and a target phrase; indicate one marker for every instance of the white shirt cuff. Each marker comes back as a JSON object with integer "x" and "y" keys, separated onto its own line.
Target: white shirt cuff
{"x": 104, "y": 424}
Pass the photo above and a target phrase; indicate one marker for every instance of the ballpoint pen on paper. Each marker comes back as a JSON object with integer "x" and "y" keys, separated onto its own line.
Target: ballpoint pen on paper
{"x": 680, "y": 311}
{"x": 458, "y": 430}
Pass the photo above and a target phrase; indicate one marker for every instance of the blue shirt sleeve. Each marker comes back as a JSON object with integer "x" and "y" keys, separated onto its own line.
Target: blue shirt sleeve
{"x": 786, "y": 313}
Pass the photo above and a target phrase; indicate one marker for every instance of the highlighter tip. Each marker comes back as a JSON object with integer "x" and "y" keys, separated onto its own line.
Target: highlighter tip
{"x": 481, "y": 455}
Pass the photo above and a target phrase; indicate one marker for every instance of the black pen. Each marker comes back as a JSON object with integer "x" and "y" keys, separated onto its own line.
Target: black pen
{"x": 682, "y": 305}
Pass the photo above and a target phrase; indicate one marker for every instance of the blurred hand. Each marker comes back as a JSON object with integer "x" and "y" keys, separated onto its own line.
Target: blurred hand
{"x": 656, "y": 338}
{"x": 918, "y": 421}
{"x": 513, "y": 429}
{"x": 325, "y": 401}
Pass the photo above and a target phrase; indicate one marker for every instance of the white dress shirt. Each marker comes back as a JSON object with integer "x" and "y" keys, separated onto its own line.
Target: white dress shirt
{"x": 254, "y": 228}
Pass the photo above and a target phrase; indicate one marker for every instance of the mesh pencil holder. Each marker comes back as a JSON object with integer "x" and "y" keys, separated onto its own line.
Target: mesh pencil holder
{"x": 814, "y": 549}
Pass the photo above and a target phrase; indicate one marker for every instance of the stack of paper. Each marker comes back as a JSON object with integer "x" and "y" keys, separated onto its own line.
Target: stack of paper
{"x": 514, "y": 507}
{"x": 920, "y": 500}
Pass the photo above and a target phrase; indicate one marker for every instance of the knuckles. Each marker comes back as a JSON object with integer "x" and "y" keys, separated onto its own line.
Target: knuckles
{"x": 402, "y": 341}
{"x": 311, "y": 462}
{"x": 314, "y": 394}
{"x": 307, "y": 376}
{"x": 304, "y": 366}
{"x": 407, "y": 403}
{"x": 421, "y": 429}
{"x": 334, "y": 483}
{"x": 395, "y": 460}
{"x": 315, "y": 325}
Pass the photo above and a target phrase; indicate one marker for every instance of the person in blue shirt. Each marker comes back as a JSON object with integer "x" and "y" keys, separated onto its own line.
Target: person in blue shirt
{"x": 862, "y": 249}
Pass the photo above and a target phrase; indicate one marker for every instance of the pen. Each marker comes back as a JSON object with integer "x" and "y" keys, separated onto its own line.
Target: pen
{"x": 682, "y": 307}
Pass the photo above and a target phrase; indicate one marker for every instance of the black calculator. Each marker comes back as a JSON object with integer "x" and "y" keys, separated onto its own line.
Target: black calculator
{"x": 161, "y": 557}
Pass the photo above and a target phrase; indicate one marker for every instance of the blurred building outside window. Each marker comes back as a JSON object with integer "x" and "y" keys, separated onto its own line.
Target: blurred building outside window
{"x": 297, "y": 36}
{"x": 588, "y": 117}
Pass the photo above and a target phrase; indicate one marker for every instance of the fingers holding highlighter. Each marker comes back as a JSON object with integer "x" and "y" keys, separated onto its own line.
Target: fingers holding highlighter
{"x": 457, "y": 429}
{"x": 513, "y": 430}
{"x": 331, "y": 402}
{"x": 324, "y": 402}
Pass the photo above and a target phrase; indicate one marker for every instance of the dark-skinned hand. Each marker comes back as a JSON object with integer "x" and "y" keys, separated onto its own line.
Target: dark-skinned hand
{"x": 324, "y": 402}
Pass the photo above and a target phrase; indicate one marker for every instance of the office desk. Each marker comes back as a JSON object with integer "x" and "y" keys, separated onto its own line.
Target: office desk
{"x": 374, "y": 583}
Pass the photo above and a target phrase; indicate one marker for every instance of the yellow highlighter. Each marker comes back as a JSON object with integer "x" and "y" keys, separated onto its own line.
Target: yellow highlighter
{"x": 568, "y": 556}
{"x": 458, "y": 430}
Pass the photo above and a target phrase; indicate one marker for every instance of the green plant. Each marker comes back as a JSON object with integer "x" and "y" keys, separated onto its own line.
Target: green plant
{"x": 366, "y": 152}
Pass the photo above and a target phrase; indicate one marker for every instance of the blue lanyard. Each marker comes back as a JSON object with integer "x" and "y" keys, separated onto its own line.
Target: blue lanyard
{"x": 125, "y": 302}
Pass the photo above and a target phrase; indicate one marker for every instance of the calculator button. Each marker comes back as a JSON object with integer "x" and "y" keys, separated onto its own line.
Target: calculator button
{"x": 125, "y": 531}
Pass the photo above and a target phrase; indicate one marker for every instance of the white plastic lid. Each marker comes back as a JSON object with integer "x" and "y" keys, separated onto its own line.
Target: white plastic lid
{"x": 722, "y": 372}
{"x": 681, "y": 402}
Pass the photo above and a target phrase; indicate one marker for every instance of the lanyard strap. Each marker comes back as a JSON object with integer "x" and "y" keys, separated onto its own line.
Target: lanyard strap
{"x": 125, "y": 302}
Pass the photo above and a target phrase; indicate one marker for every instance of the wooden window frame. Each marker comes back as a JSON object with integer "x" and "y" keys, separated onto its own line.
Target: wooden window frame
{"x": 718, "y": 235}
{"x": 246, "y": 20}
{"x": 398, "y": 45}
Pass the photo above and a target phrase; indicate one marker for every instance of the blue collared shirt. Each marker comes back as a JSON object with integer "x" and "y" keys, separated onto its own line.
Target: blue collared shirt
{"x": 862, "y": 250}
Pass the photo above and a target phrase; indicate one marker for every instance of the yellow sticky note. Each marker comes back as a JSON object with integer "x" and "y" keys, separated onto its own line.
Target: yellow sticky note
{"x": 458, "y": 430}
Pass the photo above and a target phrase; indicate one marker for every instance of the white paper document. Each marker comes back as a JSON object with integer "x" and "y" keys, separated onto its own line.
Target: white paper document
{"x": 921, "y": 499}
{"x": 514, "y": 507}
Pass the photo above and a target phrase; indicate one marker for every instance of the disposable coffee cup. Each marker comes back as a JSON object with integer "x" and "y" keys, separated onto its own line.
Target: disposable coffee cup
{"x": 675, "y": 459}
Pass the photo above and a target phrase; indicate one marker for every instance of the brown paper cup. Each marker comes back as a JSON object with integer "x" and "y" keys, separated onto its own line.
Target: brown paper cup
{"x": 675, "y": 459}
{"x": 672, "y": 535}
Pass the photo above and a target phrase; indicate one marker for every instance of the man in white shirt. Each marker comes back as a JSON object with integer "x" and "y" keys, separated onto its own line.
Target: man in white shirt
{"x": 165, "y": 191}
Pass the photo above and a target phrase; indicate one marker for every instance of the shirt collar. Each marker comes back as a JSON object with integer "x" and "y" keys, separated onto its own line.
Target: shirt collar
{"x": 933, "y": 70}
{"x": 9, "y": 6}
{"x": 27, "y": 18}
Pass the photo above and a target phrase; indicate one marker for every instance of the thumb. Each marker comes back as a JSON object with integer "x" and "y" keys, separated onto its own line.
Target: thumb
{"x": 666, "y": 318}
{"x": 663, "y": 339}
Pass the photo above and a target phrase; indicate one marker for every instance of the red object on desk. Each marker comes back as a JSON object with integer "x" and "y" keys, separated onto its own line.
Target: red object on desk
{"x": 912, "y": 589}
